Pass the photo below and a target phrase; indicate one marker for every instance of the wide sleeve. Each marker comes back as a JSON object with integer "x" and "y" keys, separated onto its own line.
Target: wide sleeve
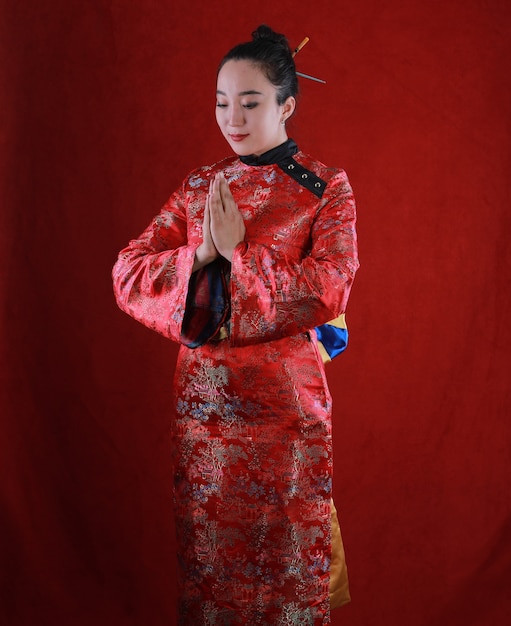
{"x": 274, "y": 295}
{"x": 151, "y": 275}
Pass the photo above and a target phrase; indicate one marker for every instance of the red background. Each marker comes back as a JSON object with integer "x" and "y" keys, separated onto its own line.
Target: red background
{"x": 106, "y": 107}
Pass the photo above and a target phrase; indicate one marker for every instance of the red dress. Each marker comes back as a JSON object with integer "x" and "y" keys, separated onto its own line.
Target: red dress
{"x": 252, "y": 426}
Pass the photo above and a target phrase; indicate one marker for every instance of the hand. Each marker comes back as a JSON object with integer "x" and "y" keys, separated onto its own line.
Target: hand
{"x": 206, "y": 252}
{"x": 227, "y": 226}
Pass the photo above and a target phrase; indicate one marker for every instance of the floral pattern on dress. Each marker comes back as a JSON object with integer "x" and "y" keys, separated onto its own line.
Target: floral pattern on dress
{"x": 252, "y": 448}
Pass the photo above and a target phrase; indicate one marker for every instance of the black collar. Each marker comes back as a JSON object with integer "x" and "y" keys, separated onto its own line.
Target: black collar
{"x": 283, "y": 157}
{"x": 285, "y": 150}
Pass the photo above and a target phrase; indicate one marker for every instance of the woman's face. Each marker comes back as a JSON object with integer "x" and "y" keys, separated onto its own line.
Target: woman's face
{"x": 247, "y": 111}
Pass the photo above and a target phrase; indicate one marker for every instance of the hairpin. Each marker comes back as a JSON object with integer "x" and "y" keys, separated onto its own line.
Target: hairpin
{"x": 296, "y": 51}
{"x": 300, "y": 46}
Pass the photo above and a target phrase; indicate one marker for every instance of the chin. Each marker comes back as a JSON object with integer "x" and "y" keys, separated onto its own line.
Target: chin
{"x": 240, "y": 151}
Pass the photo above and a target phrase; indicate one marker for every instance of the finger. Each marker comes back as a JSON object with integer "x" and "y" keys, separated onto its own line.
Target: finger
{"x": 215, "y": 200}
{"x": 206, "y": 215}
{"x": 226, "y": 195}
{"x": 206, "y": 228}
{"x": 217, "y": 188}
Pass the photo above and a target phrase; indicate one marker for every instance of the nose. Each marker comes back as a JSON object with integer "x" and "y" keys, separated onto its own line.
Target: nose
{"x": 236, "y": 117}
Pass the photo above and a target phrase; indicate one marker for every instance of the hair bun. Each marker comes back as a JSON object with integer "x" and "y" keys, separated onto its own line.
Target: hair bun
{"x": 266, "y": 33}
{"x": 270, "y": 51}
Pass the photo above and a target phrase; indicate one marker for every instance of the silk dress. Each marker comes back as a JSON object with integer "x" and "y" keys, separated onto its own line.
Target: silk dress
{"x": 252, "y": 448}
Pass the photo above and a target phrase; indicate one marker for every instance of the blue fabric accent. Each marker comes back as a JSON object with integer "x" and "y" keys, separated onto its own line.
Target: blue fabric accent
{"x": 334, "y": 340}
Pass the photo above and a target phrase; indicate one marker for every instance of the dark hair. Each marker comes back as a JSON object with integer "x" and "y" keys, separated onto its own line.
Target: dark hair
{"x": 271, "y": 51}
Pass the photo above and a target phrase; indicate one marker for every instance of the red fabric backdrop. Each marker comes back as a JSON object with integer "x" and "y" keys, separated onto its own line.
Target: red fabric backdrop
{"x": 106, "y": 106}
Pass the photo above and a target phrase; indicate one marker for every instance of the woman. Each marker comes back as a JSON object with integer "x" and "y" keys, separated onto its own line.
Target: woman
{"x": 242, "y": 263}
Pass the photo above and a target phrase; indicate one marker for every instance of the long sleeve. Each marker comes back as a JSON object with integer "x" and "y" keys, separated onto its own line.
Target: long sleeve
{"x": 293, "y": 272}
{"x": 152, "y": 274}
{"x": 276, "y": 294}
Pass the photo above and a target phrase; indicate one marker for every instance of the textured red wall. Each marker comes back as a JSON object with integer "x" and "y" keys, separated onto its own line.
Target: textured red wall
{"x": 106, "y": 106}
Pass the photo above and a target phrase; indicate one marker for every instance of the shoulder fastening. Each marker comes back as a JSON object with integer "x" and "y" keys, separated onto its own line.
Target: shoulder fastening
{"x": 302, "y": 175}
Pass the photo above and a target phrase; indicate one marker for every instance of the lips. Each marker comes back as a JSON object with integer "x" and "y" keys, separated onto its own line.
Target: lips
{"x": 238, "y": 137}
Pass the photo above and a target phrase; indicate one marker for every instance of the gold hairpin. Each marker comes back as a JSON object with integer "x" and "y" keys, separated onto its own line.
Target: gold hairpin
{"x": 296, "y": 51}
{"x": 298, "y": 48}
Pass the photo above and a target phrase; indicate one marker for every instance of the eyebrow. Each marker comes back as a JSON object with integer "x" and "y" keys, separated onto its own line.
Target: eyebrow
{"x": 250, "y": 92}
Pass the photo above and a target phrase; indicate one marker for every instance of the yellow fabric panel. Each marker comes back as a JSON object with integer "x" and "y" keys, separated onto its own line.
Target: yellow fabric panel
{"x": 339, "y": 322}
{"x": 324, "y": 354}
{"x": 339, "y": 584}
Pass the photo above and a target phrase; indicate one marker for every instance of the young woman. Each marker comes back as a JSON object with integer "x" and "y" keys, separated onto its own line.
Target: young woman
{"x": 240, "y": 266}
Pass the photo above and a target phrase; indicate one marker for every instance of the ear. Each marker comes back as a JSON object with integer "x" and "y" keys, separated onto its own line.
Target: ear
{"x": 288, "y": 107}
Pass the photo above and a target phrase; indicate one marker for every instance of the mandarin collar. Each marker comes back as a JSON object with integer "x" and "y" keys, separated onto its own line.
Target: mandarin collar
{"x": 279, "y": 153}
{"x": 282, "y": 156}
